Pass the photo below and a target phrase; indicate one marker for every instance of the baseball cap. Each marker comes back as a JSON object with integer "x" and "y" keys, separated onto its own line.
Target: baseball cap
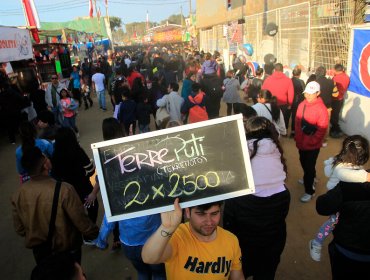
{"x": 312, "y": 87}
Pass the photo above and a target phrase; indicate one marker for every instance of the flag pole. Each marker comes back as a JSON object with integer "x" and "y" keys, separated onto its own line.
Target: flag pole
{"x": 108, "y": 23}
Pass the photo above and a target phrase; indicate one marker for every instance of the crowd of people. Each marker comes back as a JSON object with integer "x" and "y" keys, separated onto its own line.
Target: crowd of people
{"x": 191, "y": 244}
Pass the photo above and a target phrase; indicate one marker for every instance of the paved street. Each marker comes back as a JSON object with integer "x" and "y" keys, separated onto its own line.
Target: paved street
{"x": 16, "y": 261}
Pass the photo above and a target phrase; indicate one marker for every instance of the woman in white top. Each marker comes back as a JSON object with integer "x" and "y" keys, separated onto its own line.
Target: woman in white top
{"x": 267, "y": 107}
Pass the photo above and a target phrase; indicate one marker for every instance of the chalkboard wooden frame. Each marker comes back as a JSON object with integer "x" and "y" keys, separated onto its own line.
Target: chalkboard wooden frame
{"x": 226, "y": 121}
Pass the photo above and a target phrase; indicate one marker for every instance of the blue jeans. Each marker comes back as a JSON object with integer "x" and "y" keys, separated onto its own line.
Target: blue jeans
{"x": 144, "y": 128}
{"x": 70, "y": 122}
{"x": 144, "y": 271}
{"x": 101, "y": 98}
{"x": 58, "y": 117}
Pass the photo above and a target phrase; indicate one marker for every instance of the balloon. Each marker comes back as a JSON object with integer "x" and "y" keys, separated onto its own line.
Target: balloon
{"x": 248, "y": 49}
{"x": 271, "y": 29}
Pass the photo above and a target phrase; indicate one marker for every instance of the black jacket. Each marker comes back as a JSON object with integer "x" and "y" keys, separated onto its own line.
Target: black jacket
{"x": 258, "y": 221}
{"x": 326, "y": 89}
{"x": 212, "y": 87}
{"x": 352, "y": 201}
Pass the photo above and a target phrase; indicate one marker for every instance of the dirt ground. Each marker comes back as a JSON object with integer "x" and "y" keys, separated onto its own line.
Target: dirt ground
{"x": 16, "y": 262}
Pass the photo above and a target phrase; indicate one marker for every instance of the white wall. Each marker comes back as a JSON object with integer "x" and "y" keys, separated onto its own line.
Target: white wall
{"x": 355, "y": 116}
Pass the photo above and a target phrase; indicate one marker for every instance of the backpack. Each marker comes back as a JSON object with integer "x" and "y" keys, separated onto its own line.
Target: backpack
{"x": 197, "y": 113}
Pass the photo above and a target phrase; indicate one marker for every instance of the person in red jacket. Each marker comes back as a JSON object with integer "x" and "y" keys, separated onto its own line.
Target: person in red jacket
{"x": 311, "y": 123}
{"x": 132, "y": 75}
{"x": 342, "y": 81}
{"x": 281, "y": 87}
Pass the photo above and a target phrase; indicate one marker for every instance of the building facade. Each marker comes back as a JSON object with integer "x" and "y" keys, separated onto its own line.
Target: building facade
{"x": 310, "y": 33}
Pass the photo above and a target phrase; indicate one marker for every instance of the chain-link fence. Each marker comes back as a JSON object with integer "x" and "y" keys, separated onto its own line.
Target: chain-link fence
{"x": 310, "y": 34}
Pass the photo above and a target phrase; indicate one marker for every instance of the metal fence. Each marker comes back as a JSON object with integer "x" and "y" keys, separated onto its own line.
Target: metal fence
{"x": 310, "y": 34}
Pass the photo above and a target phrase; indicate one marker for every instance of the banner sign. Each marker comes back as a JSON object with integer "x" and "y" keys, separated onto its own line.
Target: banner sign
{"x": 15, "y": 44}
{"x": 360, "y": 73}
{"x": 168, "y": 36}
{"x": 198, "y": 163}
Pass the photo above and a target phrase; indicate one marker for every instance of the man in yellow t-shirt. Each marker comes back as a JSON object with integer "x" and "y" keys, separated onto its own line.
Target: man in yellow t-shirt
{"x": 199, "y": 249}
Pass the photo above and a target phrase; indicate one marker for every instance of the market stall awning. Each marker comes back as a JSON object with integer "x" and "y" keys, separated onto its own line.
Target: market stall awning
{"x": 88, "y": 25}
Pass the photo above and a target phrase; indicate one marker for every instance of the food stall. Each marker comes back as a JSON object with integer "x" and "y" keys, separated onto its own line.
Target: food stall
{"x": 16, "y": 56}
{"x": 51, "y": 59}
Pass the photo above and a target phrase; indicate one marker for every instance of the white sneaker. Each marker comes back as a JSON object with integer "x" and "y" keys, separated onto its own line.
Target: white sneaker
{"x": 325, "y": 144}
{"x": 315, "y": 250}
{"x": 307, "y": 197}
{"x": 300, "y": 181}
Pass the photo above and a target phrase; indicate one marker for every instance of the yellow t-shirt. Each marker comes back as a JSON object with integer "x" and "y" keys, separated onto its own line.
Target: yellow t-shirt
{"x": 193, "y": 259}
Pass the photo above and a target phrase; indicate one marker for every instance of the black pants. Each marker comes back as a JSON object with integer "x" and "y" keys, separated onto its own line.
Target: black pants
{"x": 346, "y": 268}
{"x": 261, "y": 257}
{"x": 308, "y": 162}
{"x": 127, "y": 128}
{"x": 294, "y": 113}
{"x": 334, "y": 119}
{"x": 76, "y": 92}
{"x": 286, "y": 113}
{"x": 87, "y": 98}
{"x": 11, "y": 124}
{"x": 231, "y": 107}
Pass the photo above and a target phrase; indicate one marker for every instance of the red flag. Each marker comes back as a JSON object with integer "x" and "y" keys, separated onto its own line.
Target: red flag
{"x": 91, "y": 9}
{"x": 32, "y": 18}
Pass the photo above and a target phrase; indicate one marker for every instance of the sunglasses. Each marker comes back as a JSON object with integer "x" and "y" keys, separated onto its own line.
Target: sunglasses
{"x": 54, "y": 78}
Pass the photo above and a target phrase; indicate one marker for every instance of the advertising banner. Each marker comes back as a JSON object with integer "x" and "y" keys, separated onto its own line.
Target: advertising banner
{"x": 360, "y": 75}
{"x": 15, "y": 44}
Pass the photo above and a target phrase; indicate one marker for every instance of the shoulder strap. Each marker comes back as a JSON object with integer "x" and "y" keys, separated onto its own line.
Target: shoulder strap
{"x": 54, "y": 211}
{"x": 304, "y": 108}
{"x": 267, "y": 108}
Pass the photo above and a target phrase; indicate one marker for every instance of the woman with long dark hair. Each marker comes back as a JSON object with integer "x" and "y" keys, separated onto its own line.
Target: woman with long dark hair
{"x": 267, "y": 107}
{"x": 258, "y": 220}
{"x": 71, "y": 164}
{"x": 133, "y": 233}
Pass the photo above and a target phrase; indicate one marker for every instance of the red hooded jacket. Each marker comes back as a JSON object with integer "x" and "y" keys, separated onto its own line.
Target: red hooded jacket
{"x": 281, "y": 87}
{"x": 316, "y": 114}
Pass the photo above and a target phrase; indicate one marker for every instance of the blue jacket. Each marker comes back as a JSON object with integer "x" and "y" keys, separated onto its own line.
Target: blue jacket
{"x": 132, "y": 232}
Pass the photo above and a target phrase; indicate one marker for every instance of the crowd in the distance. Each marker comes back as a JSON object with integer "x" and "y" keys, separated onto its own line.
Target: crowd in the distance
{"x": 56, "y": 193}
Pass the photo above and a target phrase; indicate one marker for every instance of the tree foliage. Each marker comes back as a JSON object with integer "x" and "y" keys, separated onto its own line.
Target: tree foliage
{"x": 115, "y": 23}
{"x": 174, "y": 19}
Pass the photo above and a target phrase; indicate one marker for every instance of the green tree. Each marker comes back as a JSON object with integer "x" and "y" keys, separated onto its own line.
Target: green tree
{"x": 174, "y": 19}
{"x": 115, "y": 23}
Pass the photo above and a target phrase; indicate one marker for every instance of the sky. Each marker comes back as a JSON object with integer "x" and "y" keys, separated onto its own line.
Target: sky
{"x": 11, "y": 12}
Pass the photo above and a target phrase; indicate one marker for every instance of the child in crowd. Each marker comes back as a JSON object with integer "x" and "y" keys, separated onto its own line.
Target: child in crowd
{"x": 69, "y": 108}
{"x": 143, "y": 111}
{"x": 347, "y": 167}
{"x": 85, "y": 90}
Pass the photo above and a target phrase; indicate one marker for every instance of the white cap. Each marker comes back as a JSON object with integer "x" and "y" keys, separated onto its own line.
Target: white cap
{"x": 312, "y": 87}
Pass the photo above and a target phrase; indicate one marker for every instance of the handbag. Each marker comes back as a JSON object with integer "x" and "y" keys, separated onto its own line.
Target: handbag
{"x": 306, "y": 127}
{"x": 162, "y": 115}
{"x": 45, "y": 249}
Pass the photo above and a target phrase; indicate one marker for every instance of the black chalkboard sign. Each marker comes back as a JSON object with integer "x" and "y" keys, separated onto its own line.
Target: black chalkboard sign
{"x": 199, "y": 163}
